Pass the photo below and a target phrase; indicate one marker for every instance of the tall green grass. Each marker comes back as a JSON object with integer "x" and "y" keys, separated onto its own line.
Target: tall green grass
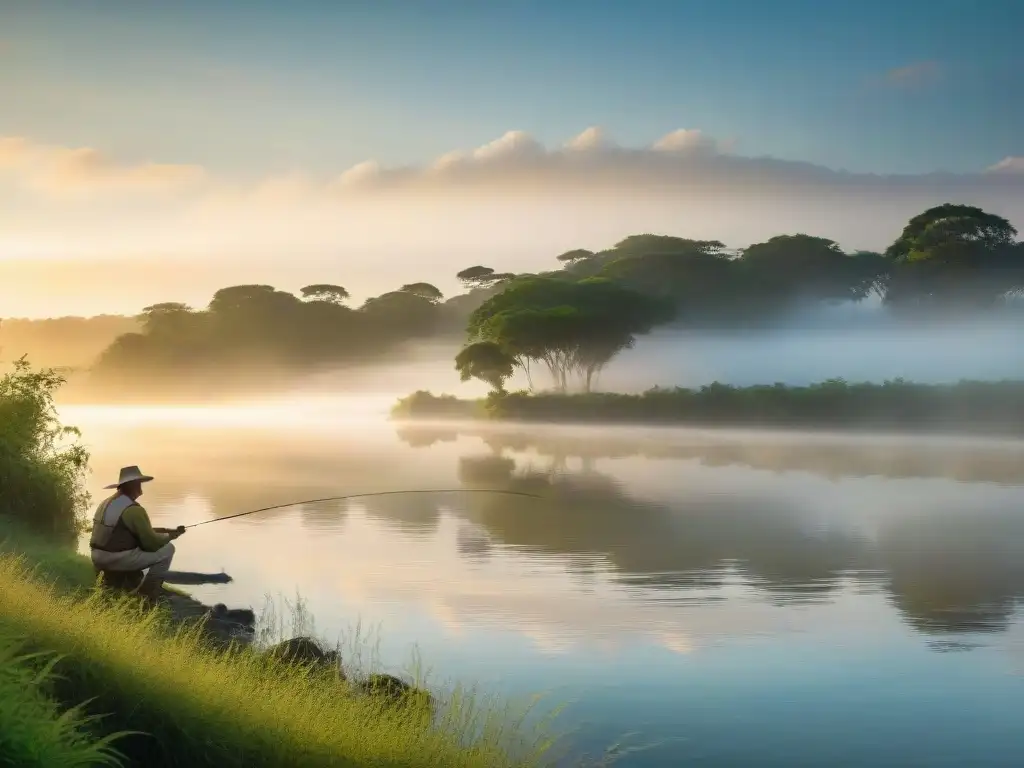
{"x": 53, "y": 560}
{"x": 42, "y": 466}
{"x": 198, "y": 706}
{"x": 34, "y": 732}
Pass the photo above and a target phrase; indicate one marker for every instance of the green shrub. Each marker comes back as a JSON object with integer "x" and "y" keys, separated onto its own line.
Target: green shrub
{"x": 422, "y": 404}
{"x": 995, "y": 407}
{"x": 42, "y": 466}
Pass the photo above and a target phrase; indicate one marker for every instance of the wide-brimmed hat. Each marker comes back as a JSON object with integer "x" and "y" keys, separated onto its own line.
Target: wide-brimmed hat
{"x": 130, "y": 475}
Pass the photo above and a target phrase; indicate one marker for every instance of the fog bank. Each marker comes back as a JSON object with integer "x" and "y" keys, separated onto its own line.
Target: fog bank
{"x": 854, "y": 342}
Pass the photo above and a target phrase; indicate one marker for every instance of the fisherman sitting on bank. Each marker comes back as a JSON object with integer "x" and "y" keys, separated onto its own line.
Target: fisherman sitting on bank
{"x": 123, "y": 539}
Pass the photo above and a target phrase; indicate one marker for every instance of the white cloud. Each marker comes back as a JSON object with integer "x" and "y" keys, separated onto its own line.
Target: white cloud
{"x": 365, "y": 171}
{"x": 1011, "y": 164}
{"x": 686, "y": 142}
{"x": 514, "y": 145}
{"x": 682, "y": 162}
{"x": 593, "y": 139}
{"x": 511, "y": 203}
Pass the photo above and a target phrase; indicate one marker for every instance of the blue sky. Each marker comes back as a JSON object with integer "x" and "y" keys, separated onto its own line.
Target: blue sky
{"x": 264, "y": 87}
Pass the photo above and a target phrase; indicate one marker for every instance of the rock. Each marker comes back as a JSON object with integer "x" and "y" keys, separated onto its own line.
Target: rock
{"x": 124, "y": 581}
{"x": 191, "y": 577}
{"x": 396, "y": 691}
{"x": 243, "y": 616}
{"x": 305, "y": 650}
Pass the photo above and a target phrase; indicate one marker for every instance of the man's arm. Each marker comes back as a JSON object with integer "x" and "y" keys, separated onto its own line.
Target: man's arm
{"x": 136, "y": 520}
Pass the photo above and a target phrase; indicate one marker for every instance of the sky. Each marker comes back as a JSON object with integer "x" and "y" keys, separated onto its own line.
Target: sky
{"x": 169, "y": 149}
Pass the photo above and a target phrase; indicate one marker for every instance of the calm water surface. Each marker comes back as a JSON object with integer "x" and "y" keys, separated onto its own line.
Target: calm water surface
{"x": 727, "y": 598}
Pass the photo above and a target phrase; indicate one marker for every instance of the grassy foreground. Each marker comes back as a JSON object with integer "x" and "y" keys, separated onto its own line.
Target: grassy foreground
{"x": 995, "y": 408}
{"x": 87, "y": 679}
{"x": 192, "y": 705}
{"x": 33, "y": 729}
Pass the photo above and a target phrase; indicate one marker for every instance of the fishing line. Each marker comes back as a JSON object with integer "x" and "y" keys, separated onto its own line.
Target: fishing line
{"x": 365, "y": 495}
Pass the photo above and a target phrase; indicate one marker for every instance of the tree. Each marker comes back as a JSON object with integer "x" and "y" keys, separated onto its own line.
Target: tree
{"x": 954, "y": 256}
{"x": 571, "y": 327}
{"x": 487, "y": 361}
{"x": 578, "y": 254}
{"x": 694, "y": 274}
{"x": 870, "y": 271}
{"x": 166, "y": 317}
{"x": 402, "y": 315}
{"x": 426, "y": 290}
{"x": 474, "y": 277}
{"x": 238, "y": 297}
{"x": 993, "y": 229}
{"x": 789, "y": 267}
{"x": 334, "y": 294}
{"x": 637, "y": 245}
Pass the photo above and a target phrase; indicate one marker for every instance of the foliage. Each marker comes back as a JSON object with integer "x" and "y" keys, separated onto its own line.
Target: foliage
{"x": 334, "y": 294}
{"x": 794, "y": 267}
{"x": 947, "y": 259}
{"x": 34, "y": 733}
{"x": 571, "y": 327}
{"x": 422, "y": 404}
{"x": 487, "y": 361}
{"x": 954, "y": 256}
{"x": 249, "y": 325}
{"x": 475, "y": 276}
{"x": 424, "y": 290}
{"x": 577, "y": 254}
{"x": 968, "y": 406}
{"x": 42, "y": 466}
{"x": 196, "y": 706}
{"x": 992, "y": 228}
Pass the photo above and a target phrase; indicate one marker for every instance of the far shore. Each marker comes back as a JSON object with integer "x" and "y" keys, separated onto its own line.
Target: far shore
{"x": 993, "y": 409}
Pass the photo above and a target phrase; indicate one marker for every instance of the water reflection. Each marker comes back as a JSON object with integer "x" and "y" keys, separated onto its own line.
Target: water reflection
{"x": 673, "y": 518}
{"x": 833, "y": 456}
{"x": 802, "y": 586}
{"x": 947, "y": 570}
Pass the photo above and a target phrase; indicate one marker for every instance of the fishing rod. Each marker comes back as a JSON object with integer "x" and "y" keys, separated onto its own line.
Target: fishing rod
{"x": 363, "y": 496}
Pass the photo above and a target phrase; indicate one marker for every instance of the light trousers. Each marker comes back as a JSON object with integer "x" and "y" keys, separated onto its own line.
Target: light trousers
{"x": 158, "y": 563}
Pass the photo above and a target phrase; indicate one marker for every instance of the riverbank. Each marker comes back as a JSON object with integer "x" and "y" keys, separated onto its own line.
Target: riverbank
{"x": 968, "y": 407}
{"x": 90, "y": 676}
{"x": 189, "y": 701}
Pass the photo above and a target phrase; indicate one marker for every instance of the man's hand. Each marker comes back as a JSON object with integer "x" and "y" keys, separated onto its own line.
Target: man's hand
{"x": 179, "y": 531}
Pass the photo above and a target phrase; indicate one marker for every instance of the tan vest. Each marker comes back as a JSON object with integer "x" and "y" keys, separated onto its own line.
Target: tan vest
{"x": 109, "y": 533}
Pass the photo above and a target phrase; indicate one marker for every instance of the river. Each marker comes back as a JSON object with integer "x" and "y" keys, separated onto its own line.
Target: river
{"x": 725, "y": 598}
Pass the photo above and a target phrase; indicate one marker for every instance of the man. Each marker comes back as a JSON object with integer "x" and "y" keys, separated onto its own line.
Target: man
{"x": 124, "y": 540}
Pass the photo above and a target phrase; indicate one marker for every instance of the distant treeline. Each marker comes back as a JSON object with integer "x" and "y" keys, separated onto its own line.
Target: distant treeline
{"x": 62, "y": 341}
{"x": 571, "y": 320}
{"x": 993, "y": 408}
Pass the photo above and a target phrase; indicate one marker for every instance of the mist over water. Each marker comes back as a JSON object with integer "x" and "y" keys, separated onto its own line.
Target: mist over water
{"x": 857, "y": 342}
{"x": 853, "y": 343}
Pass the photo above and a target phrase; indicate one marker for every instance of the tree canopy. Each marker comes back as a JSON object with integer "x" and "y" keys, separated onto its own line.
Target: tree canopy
{"x": 954, "y": 256}
{"x": 475, "y": 276}
{"x": 573, "y": 319}
{"x": 573, "y": 328}
{"x": 325, "y": 292}
{"x": 423, "y": 290}
{"x": 487, "y": 361}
